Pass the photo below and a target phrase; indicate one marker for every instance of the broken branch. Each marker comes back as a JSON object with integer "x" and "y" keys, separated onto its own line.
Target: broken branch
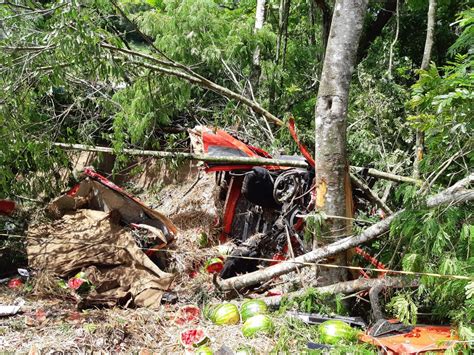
{"x": 189, "y": 75}
{"x": 346, "y": 287}
{"x": 452, "y": 195}
{"x": 371, "y": 195}
{"x": 223, "y": 159}
{"x": 387, "y": 176}
{"x": 188, "y": 156}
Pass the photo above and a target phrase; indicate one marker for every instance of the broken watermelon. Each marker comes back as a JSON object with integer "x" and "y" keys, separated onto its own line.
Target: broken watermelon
{"x": 193, "y": 338}
{"x": 187, "y": 315}
{"x": 214, "y": 265}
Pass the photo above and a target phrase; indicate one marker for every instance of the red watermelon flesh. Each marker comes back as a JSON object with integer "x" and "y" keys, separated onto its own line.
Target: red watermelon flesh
{"x": 214, "y": 266}
{"x": 192, "y": 338}
{"x": 187, "y": 315}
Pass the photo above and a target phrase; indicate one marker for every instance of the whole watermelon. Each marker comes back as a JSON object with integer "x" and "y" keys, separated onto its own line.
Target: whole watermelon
{"x": 259, "y": 324}
{"x": 251, "y": 308}
{"x": 226, "y": 313}
{"x": 334, "y": 331}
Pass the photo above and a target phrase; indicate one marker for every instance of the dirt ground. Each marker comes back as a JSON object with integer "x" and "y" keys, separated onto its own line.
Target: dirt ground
{"x": 50, "y": 325}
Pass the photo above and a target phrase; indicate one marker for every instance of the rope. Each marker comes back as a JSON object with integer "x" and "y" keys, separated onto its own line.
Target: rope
{"x": 386, "y": 271}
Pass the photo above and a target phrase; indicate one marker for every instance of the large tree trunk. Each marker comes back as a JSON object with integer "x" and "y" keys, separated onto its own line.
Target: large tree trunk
{"x": 331, "y": 112}
{"x": 420, "y": 135}
{"x": 333, "y": 191}
{"x": 256, "y": 70}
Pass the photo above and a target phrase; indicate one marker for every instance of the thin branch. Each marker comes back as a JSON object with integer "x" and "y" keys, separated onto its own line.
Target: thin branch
{"x": 392, "y": 45}
{"x": 203, "y": 157}
{"x": 213, "y": 87}
{"x": 371, "y": 195}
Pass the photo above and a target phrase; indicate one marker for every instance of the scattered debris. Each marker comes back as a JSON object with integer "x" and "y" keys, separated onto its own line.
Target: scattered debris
{"x": 10, "y": 310}
{"x": 417, "y": 339}
{"x": 187, "y": 315}
{"x": 193, "y": 338}
{"x": 88, "y": 238}
{"x": 15, "y": 283}
{"x": 315, "y": 318}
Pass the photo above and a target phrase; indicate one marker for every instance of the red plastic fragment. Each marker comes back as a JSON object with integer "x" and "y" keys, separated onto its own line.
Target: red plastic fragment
{"x": 7, "y": 207}
{"x": 278, "y": 258}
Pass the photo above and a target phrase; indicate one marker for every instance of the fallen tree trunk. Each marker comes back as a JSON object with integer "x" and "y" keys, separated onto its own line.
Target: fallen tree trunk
{"x": 188, "y": 156}
{"x": 452, "y": 195}
{"x": 223, "y": 159}
{"x": 346, "y": 287}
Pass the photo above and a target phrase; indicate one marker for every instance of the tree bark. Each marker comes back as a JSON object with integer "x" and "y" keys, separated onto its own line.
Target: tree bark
{"x": 331, "y": 111}
{"x": 346, "y": 287}
{"x": 312, "y": 21}
{"x": 283, "y": 16}
{"x": 257, "y": 69}
{"x": 458, "y": 193}
{"x": 420, "y": 135}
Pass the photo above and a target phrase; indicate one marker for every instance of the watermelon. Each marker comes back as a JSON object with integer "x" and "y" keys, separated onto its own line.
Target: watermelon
{"x": 259, "y": 324}
{"x": 251, "y": 308}
{"x": 79, "y": 283}
{"x": 214, "y": 265}
{"x": 193, "y": 338}
{"x": 15, "y": 283}
{"x": 335, "y": 331}
{"x": 204, "y": 350}
{"x": 226, "y": 313}
{"x": 187, "y": 315}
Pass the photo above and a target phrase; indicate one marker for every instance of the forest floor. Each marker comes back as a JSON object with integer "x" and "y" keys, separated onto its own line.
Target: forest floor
{"x": 47, "y": 325}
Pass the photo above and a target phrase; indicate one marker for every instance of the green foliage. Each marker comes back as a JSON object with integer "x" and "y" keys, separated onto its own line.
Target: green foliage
{"x": 440, "y": 242}
{"x": 58, "y": 83}
{"x": 443, "y": 104}
{"x": 403, "y": 308}
{"x": 313, "y": 302}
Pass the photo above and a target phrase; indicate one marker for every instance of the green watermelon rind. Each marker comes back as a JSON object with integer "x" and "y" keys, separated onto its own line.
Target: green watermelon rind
{"x": 335, "y": 331}
{"x": 225, "y": 314}
{"x": 204, "y": 350}
{"x": 258, "y": 324}
{"x": 252, "y": 308}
